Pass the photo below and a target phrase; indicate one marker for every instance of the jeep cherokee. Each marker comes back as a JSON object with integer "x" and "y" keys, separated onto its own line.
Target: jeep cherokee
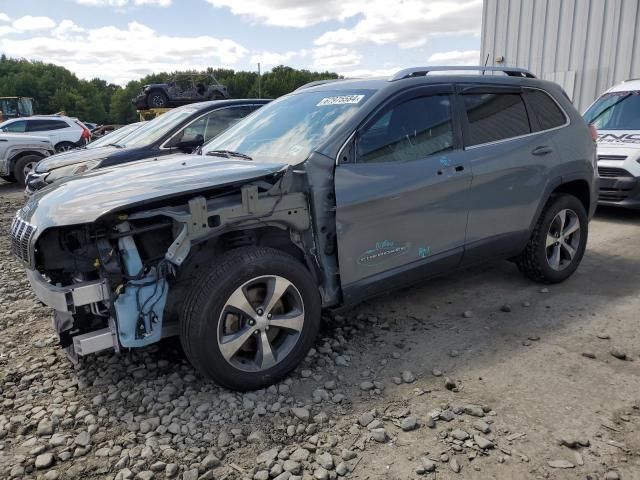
{"x": 327, "y": 196}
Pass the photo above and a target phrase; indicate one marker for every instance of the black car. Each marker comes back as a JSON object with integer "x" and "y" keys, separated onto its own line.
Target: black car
{"x": 182, "y": 129}
{"x": 180, "y": 90}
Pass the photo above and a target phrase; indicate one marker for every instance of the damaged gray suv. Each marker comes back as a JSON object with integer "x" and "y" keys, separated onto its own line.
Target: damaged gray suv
{"x": 329, "y": 195}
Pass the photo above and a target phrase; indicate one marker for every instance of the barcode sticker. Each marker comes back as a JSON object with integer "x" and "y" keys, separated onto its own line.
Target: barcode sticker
{"x": 340, "y": 100}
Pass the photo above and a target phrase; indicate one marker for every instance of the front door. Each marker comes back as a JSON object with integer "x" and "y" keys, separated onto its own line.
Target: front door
{"x": 401, "y": 196}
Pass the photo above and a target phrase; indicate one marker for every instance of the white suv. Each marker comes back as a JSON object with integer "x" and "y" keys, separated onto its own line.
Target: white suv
{"x": 19, "y": 154}
{"x": 65, "y": 133}
{"x": 616, "y": 116}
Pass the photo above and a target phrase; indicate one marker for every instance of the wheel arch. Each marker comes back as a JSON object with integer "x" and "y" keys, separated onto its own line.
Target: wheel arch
{"x": 206, "y": 252}
{"x": 157, "y": 90}
{"x": 578, "y": 187}
{"x": 14, "y": 159}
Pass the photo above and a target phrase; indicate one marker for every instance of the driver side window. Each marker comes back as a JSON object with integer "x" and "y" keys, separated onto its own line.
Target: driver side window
{"x": 16, "y": 127}
{"x": 192, "y": 131}
{"x": 408, "y": 131}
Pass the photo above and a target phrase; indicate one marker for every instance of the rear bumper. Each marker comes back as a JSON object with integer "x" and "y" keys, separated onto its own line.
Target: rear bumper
{"x": 620, "y": 192}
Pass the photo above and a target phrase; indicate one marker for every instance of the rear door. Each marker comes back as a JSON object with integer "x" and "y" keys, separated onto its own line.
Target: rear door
{"x": 402, "y": 195}
{"x": 51, "y": 128}
{"x": 512, "y": 160}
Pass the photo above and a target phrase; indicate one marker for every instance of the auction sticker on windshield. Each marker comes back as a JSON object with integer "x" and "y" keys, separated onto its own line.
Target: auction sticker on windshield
{"x": 340, "y": 100}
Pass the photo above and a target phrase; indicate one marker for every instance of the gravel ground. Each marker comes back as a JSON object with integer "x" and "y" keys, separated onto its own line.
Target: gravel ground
{"x": 479, "y": 374}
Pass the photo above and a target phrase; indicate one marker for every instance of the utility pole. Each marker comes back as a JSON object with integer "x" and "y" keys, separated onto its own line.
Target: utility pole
{"x": 259, "y": 82}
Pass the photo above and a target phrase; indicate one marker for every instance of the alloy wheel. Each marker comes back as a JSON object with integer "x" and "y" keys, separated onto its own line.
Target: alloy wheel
{"x": 563, "y": 239}
{"x": 28, "y": 168}
{"x": 260, "y": 323}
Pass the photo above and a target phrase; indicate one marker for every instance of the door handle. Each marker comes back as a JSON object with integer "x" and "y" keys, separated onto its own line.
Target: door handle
{"x": 541, "y": 150}
{"x": 457, "y": 169}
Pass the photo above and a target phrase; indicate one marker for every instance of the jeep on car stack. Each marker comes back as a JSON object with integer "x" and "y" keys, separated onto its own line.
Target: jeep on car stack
{"x": 180, "y": 90}
{"x": 322, "y": 198}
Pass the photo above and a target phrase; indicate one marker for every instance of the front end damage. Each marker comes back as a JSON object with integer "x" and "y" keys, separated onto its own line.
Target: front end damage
{"x": 119, "y": 281}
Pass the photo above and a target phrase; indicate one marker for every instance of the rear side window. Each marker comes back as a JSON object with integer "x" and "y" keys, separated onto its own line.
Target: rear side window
{"x": 495, "y": 116}
{"x": 545, "y": 110}
{"x": 411, "y": 130}
{"x": 46, "y": 125}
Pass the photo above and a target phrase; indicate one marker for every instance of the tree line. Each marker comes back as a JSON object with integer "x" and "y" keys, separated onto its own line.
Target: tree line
{"x": 55, "y": 89}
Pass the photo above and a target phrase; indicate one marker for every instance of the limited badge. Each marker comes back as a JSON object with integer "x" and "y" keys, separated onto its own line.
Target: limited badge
{"x": 382, "y": 251}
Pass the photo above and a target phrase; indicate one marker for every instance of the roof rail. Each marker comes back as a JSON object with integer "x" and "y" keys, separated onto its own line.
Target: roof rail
{"x": 424, "y": 71}
{"x": 316, "y": 82}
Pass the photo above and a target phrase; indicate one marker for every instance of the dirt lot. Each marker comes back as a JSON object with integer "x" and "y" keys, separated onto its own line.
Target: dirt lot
{"x": 490, "y": 375}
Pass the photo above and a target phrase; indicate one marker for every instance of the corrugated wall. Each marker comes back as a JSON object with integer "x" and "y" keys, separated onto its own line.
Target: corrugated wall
{"x": 585, "y": 45}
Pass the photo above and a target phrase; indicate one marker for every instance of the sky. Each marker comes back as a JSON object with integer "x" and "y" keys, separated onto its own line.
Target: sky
{"x": 123, "y": 40}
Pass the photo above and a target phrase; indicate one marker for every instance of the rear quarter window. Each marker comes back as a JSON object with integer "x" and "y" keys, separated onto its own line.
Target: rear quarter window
{"x": 46, "y": 125}
{"x": 494, "y": 116}
{"x": 545, "y": 110}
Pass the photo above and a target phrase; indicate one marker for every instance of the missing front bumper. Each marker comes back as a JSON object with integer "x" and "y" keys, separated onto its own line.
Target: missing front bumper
{"x": 67, "y": 299}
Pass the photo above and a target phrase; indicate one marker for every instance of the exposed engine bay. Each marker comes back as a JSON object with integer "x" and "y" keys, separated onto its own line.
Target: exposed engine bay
{"x": 124, "y": 276}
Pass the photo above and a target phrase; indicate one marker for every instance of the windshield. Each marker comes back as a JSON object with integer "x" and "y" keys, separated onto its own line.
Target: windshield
{"x": 290, "y": 128}
{"x": 615, "y": 111}
{"x": 115, "y": 136}
{"x": 155, "y": 129}
{"x": 25, "y": 107}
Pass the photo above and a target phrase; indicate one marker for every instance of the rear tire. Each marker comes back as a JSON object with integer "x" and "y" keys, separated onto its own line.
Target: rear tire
{"x": 251, "y": 318}
{"x": 558, "y": 241}
{"x": 23, "y": 166}
{"x": 64, "y": 147}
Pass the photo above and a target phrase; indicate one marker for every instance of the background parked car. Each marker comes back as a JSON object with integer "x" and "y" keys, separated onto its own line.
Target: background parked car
{"x": 181, "y": 129}
{"x": 65, "y": 133}
{"x": 115, "y": 136}
{"x": 180, "y": 90}
{"x": 20, "y": 153}
{"x": 616, "y": 116}
{"x": 90, "y": 125}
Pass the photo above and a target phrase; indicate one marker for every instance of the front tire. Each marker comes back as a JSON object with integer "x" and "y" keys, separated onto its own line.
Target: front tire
{"x": 24, "y": 166}
{"x": 250, "y": 319}
{"x": 157, "y": 99}
{"x": 558, "y": 241}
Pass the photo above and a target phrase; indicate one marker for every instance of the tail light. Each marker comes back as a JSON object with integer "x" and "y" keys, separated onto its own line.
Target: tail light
{"x": 594, "y": 132}
{"x": 86, "y": 134}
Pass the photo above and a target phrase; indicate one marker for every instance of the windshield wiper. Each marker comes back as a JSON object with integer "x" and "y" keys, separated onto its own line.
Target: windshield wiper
{"x": 227, "y": 154}
{"x": 114, "y": 145}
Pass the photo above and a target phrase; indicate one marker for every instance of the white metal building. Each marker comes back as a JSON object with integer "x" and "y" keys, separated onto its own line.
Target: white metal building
{"x": 584, "y": 45}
